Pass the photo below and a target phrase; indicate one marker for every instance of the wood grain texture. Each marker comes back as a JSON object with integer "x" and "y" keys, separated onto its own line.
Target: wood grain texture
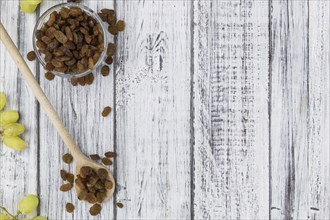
{"x": 80, "y": 109}
{"x": 153, "y": 110}
{"x": 289, "y": 111}
{"x": 221, "y": 110}
{"x": 299, "y": 141}
{"x": 231, "y": 110}
{"x": 18, "y": 170}
{"x": 318, "y": 173}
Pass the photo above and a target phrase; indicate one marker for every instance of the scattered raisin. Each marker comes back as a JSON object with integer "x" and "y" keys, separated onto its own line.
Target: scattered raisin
{"x": 89, "y": 79}
{"x": 95, "y": 209}
{"x": 67, "y": 158}
{"x": 113, "y": 30}
{"x": 109, "y": 60}
{"x": 69, "y": 207}
{"x": 105, "y": 70}
{"x": 111, "y": 49}
{"x": 74, "y": 81}
{"x": 107, "y": 11}
{"x": 120, "y": 25}
{"x": 106, "y": 161}
{"x": 120, "y": 205}
{"x": 49, "y": 76}
{"x": 31, "y": 56}
{"x": 95, "y": 157}
{"x": 66, "y": 187}
{"x": 82, "y": 81}
{"x": 110, "y": 154}
{"x": 70, "y": 177}
{"x": 106, "y": 111}
{"x": 63, "y": 174}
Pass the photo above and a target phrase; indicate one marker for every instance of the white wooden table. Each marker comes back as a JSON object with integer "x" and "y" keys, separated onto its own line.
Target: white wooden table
{"x": 221, "y": 111}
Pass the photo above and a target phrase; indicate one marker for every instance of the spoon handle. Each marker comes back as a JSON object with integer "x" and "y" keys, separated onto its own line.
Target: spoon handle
{"x": 39, "y": 94}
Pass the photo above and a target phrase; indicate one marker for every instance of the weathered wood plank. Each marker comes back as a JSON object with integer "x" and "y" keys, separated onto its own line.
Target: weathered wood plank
{"x": 229, "y": 108}
{"x": 153, "y": 110}
{"x": 231, "y": 166}
{"x": 18, "y": 170}
{"x": 80, "y": 109}
{"x": 318, "y": 172}
{"x": 290, "y": 122}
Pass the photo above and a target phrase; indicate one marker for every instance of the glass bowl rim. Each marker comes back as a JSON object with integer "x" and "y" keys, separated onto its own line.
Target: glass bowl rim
{"x": 41, "y": 20}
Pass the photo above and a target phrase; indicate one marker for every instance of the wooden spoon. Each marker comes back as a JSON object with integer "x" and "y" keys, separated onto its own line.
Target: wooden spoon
{"x": 79, "y": 158}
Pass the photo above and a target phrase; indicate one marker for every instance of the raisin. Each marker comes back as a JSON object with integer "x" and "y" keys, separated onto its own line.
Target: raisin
{"x": 110, "y": 154}
{"x": 67, "y": 158}
{"x": 105, "y": 71}
{"x": 106, "y": 161}
{"x": 69, "y": 207}
{"x": 120, "y": 25}
{"x": 60, "y": 36}
{"x": 95, "y": 157}
{"x": 31, "y": 56}
{"x": 66, "y": 187}
{"x": 49, "y": 76}
{"x": 95, "y": 209}
{"x": 106, "y": 111}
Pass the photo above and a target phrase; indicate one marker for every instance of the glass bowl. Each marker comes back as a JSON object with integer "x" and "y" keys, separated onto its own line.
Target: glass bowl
{"x": 44, "y": 18}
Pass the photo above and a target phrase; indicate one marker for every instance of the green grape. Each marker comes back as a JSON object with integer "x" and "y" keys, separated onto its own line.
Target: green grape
{"x": 8, "y": 117}
{"x": 29, "y": 6}
{"x": 28, "y": 204}
{"x": 13, "y": 129}
{"x": 14, "y": 142}
{"x": 33, "y": 2}
{"x": 39, "y": 218}
{"x": 25, "y": 219}
{"x": 3, "y": 100}
{"x": 3, "y": 217}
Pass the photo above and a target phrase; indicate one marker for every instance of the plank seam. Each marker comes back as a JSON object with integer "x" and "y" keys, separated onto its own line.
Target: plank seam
{"x": 270, "y": 58}
{"x": 115, "y": 123}
{"x": 192, "y": 114}
{"x": 38, "y": 125}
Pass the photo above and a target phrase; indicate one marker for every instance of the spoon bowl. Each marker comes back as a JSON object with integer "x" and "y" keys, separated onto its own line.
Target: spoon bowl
{"x": 82, "y": 161}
